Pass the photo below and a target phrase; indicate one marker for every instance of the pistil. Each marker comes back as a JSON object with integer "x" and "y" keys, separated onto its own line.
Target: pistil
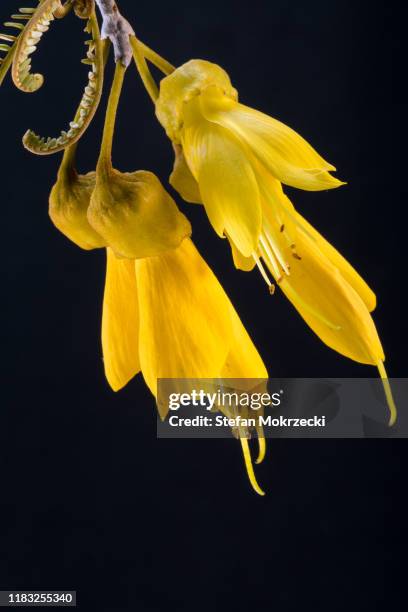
{"x": 250, "y": 467}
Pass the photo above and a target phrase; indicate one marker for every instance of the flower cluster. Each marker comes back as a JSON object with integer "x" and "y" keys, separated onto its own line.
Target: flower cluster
{"x": 165, "y": 314}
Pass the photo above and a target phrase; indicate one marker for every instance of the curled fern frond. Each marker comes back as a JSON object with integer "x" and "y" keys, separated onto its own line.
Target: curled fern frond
{"x": 9, "y": 40}
{"x": 89, "y": 102}
{"x": 63, "y": 11}
{"x": 84, "y": 8}
{"x": 27, "y": 44}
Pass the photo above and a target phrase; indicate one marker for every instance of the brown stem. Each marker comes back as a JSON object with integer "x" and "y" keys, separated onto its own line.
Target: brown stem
{"x": 117, "y": 29}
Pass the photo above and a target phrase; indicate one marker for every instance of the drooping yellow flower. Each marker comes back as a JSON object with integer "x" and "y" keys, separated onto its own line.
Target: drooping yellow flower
{"x": 238, "y": 159}
{"x": 69, "y": 202}
{"x": 132, "y": 211}
{"x": 168, "y": 317}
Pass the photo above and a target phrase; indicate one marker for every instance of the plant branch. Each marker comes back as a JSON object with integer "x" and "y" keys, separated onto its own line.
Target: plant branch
{"x": 105, "y": 157}
{"x": 117, "y": 29}
{"x": 158, "y": 61}
{"x": 143, "y": 69}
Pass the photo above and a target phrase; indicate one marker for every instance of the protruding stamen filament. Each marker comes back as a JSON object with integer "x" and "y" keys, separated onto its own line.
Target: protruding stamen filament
{"x": 249, "y": 466}
{"x": 269, "y": 257}
{"x": 263, "y": 272}
{"x": 276, "y": 250}
{"x": 261, "y": 443}
{"x": 388, "y": 393}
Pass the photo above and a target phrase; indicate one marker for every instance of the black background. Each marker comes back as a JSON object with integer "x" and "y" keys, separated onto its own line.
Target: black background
{"x": 91, "y": 500}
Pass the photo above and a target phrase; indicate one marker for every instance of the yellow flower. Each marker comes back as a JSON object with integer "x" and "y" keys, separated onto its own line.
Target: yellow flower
{"x": 182, "y": 180}
{"x": 238, "y": 158}
{"x": 168, "y": 317}
{"x": 69, "y": 202}
{"x": 131, "y": 211}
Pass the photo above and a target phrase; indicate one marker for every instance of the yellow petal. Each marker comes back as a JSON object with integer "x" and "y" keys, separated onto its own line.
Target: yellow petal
{"x": 182, "y": 180}
{"x": 181, "y": 86}
{"x": 351, "y": 298}
{"x": 120, "y": 322}
{"x": 227, "y": 183}
{"x": 135, "y": 214}
{"x": 246, "y": 264}
{"x": 243, "y": 360}
{"x": 280, "y": 149}
{"x": 346, "y": 269}
{"x": 185, "y": 325}
{"x": 329, "y": 304}
{"x": 282, "y": 216}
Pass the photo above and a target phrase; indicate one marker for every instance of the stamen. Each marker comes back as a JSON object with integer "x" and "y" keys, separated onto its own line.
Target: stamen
{"x": 263, "y": 273}
{"x": 261, "y": 443}
{"x": 275, "y": 247}
{"x": 299, "y": 224}
{"x": 388, "y": 393}
{"x": 295, "y": 254}
{"x": 288, "y": 234}
{"x": 269, "y": 257}
{"x": 249, "y": 466}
